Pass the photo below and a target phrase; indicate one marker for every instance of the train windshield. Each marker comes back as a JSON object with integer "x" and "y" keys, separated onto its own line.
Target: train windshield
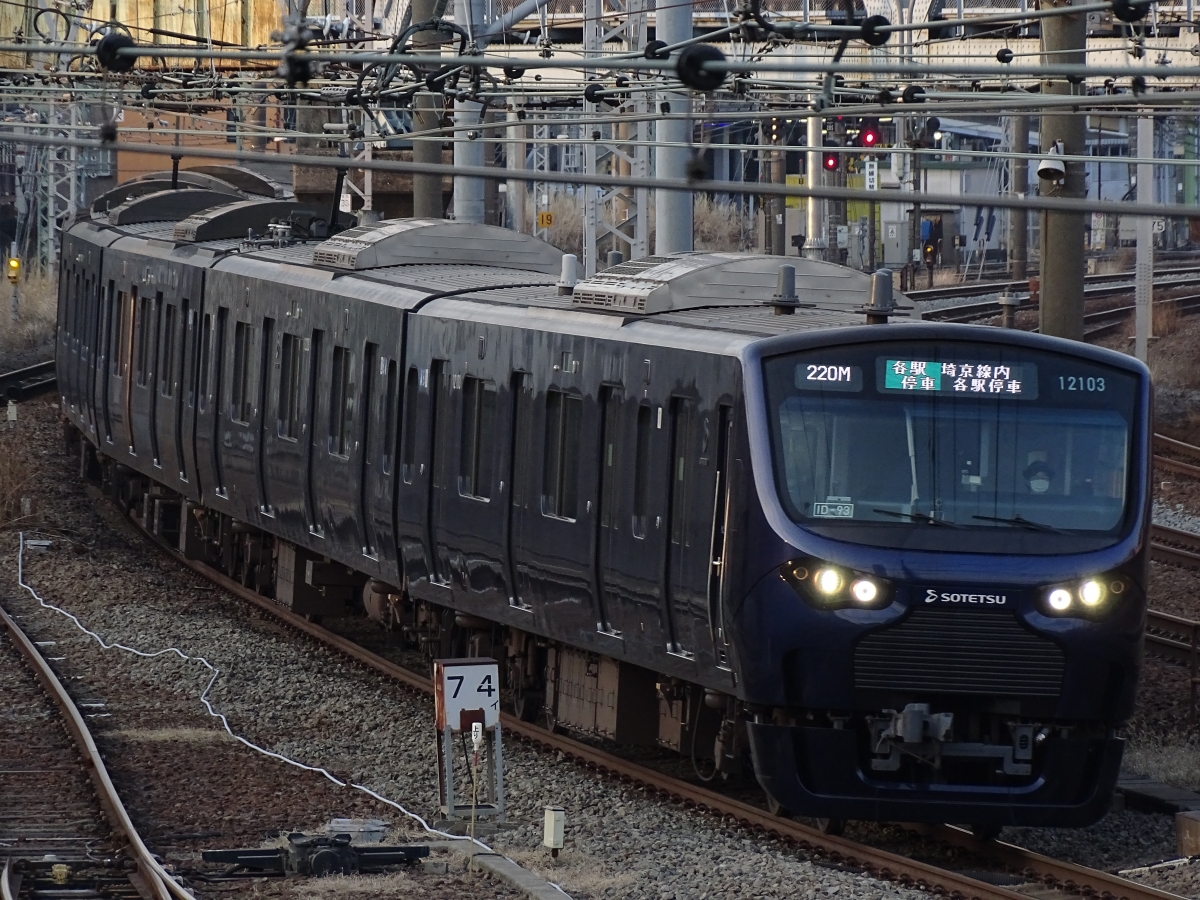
{"x": 946, "y": 445}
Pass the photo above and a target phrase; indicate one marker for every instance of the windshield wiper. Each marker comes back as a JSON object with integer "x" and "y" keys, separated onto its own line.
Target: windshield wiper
{"x": 1021, "y": 522}
{"x": 917, "y": 517}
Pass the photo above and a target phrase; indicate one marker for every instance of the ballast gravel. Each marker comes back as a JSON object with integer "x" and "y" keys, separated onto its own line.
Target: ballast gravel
{"x": 294, "y": 697}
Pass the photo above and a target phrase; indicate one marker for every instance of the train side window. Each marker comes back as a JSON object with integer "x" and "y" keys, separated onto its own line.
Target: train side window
{"x": 478, "y": 438}
{"x": 145, "y": 327}
{"x": 205, "y": 362}
{"x": 641, "y": 466}
{"x": 240, "y": 405}
{"x": 389, "y": 429}
{"x": 288, "y": 423}
{"x": 560, "y": 463}
{"x": 408, "y": 459}
{"x": 341, "y": 403}
{"x": 124, "y": 334}
{"x": 166, "y": 381}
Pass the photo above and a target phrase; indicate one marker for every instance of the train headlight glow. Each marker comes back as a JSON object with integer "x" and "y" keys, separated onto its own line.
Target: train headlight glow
{"x": 1091, "y": 592}
{"x": 828, "y": 587}
{"x": 828, "y": 581}
{"x": 864, "y": 591}
{"x": 1087, "y": 598}
{"x": 1059, "y": 600}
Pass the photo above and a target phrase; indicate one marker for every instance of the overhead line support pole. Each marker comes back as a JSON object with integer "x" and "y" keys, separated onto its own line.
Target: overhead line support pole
{"x": 427, "y": 189}
{"x": 1144, "y": 264}
{"x": 1064, "y": 39}
{"x": 673, "y": 209}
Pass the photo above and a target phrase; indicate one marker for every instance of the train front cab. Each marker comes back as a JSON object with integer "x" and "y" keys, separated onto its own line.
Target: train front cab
{"x": 947, "y": 619}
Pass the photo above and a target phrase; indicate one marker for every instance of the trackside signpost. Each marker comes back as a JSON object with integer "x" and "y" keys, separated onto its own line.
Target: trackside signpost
{"x": 466, "y": 696}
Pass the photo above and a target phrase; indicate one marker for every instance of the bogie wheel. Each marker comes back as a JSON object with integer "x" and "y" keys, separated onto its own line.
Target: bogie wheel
{"x": 834, "y": 827}
{"x": 775, "y": 808}
{"x": 527, "y": 705}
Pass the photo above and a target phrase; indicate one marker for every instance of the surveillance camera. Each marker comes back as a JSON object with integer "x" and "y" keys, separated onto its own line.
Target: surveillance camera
{"x": 1052, "y": 168}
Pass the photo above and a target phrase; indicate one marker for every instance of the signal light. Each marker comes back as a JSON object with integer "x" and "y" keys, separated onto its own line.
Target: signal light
{"x": 831, "y": 161}
{"x": 13, "y": 269}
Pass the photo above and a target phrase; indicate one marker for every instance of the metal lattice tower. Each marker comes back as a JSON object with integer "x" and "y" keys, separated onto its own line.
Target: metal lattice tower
{"x": 616, "y": 218}
{"x": 541, "y": 163}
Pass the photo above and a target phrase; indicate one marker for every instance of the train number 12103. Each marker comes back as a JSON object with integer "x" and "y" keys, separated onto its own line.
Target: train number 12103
{"x": 830, "y": 373}
{"x": 1079, "y": 383}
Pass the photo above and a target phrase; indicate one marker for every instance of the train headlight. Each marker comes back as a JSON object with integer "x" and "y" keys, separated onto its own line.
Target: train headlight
{"x": 1091, "y": 592}
{"x": 828, "y": 587}
{"x": 864, "y": 591}
{"x": 1059, "y": 600}
{"x": 828, "y": 581}
{"x": 1088, "y": 598}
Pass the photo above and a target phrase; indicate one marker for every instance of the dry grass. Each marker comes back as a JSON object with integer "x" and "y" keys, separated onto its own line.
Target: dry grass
{"x": 717, "y": 227}
{"x": 15, "y": 481}
{"x": 575, "y": 872}
{"x": 352, "y": 887}
{"x": 1167, "y": 319}
{"x": 37, "y": 311}
{"x": 1175, "y": 763}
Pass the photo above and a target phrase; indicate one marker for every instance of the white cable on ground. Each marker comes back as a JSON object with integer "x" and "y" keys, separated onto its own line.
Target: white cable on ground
{"x": 224, "y": 722}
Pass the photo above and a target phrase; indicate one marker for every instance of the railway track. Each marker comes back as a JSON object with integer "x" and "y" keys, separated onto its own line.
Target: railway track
{"x": 997, "y": 287}
{"x": 1042, "y": 874}
{"x": 63, "y": 829}
{"x": 21, "y": 384}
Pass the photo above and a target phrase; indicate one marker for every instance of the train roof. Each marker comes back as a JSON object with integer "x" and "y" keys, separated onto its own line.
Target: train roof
{"x": 451, "y": 268}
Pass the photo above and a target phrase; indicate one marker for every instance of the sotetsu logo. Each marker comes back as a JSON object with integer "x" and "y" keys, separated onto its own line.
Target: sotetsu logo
{"x": 934, "y": 596}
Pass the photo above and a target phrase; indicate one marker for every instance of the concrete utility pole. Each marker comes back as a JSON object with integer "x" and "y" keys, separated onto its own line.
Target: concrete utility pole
{"x": 778, "y": 206}
{"x": 1063, "y": 40}
{"x": 515, "y": 190}
{"x": 1143, "y": 280}
{"x": 673, "y": 209}
{"x": 427, "y": 189}
{"x": 469, "y": 203}
{"x": 814, "y": 174}
{"x": 1018, "y": 219}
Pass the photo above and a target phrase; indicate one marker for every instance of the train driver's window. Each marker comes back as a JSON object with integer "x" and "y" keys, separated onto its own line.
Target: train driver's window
{"x": 560, "y": 461}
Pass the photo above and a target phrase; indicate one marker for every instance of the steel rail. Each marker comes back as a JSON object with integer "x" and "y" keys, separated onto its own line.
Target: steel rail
{"x": 20, "y": 384}
{"x": 997, "y": 287}
{"x": 150, "y": 879}
{"x": 1170, "y": 545}
{"x": 1049, "y": 870}
{"x": 878, "y": 863}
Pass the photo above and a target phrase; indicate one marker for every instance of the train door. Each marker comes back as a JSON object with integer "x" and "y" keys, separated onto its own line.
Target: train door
{"x": 266, "y": 354}
{"x": 611, "y": 410}
{"x": 311, "y": 500}
{"x": 183, "y": 389}
{"x": 554, "y": 548}
{"x": 150, "y": 368}
{"x": 520, "y": 397}
{"x": 366, "y": 449}
{"x": 439, "y": 384}
{"x": 94, "y": 338}
{"x": 679, "y": 535}
{"x": 719, "y": 543}
{"x": 104, "y": 362}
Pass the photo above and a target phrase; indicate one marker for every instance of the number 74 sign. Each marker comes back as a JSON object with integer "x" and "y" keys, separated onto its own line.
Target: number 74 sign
{"x": 466, "y": 686}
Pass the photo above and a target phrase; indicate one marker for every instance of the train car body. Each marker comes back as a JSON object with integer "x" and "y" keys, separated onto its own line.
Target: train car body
{"x": 901, "y": 567}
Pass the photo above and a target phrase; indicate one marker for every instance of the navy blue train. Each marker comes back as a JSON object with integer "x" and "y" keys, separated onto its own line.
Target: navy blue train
{"x": 900, "y": 566}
